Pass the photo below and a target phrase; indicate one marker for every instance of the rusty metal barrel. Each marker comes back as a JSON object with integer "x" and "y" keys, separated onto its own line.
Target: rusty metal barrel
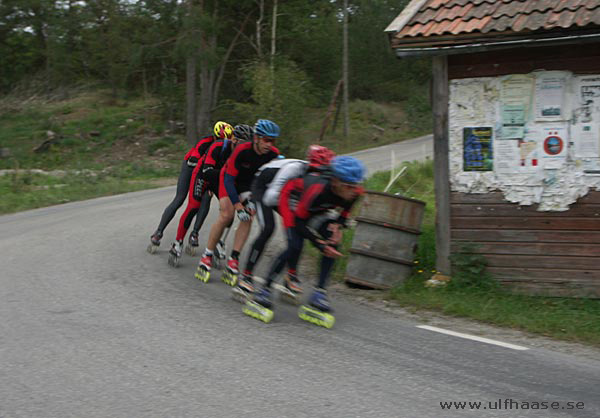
{"x": 385, "y": 240}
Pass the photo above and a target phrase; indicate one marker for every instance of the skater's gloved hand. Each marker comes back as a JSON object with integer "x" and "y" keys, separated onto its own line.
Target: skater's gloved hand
{"x": 329, "y": 251}
{"x": 336, "y": 234}
{"x": 238, "y": 206}
{"x": 251, "y": 207}
{"x": 243, "y": 216}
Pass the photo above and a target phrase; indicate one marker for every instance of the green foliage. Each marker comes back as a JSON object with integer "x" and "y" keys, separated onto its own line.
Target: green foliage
{"x": 469, "y": 270}
{"x": 24, "y": 190}
{"x": 279, "y": 93}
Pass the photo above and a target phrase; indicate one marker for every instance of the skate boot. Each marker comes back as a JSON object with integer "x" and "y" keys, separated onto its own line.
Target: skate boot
{"x": 192, "y": 246}
{"x": 203, "y": 270}
{"x": 260, "y": 306}
{"x": 154, "y": 241}
{"x": 318, "y": 309}
{"x": 244, "y": 289}
{"x": 220, "y": 254}
{"x": 230, "y": 273}
{"x": 175, "y": 253}
{"x": 292, "y": 289}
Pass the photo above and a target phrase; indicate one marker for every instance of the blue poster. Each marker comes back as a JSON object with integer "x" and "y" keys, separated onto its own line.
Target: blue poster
{"x": 478, "y": 151}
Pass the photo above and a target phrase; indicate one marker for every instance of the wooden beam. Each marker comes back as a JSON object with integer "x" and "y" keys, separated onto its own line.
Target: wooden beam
{"x": 440, "y": 95}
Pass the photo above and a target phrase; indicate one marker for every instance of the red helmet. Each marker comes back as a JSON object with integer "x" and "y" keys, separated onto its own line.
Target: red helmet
{"x": 319, "y": 155}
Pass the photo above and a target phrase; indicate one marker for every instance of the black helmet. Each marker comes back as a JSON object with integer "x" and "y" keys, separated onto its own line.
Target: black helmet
{"x": 243, "y": 132}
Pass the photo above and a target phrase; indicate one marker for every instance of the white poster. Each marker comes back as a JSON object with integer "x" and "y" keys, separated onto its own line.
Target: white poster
{"x": 586, "y": 137}
{"x": 588, "y": 98}
{"x": 550, "y": 89}
{"x": 554, "y": 141}
{"x": 506, "y": 156}
{"x": 515, "y": 98}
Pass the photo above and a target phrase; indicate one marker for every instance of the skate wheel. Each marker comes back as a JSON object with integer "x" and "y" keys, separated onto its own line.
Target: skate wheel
{"x": 256, "y": 311}
{"x": 152, "y": 248}
{"x": 322, "y": 319}
{"x": 189, "y": 250}
{"x": 173, "y": 260}
{"x": 228, "y": 278}
{"x": 202, "y": 274}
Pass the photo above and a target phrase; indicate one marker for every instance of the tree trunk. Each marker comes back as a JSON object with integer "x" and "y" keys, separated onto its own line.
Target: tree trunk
{"x": 345, "y": 71}
{"x": 274, "y": 34}
{"x": 204, "y": 100}
{"x": 261, "y": 8}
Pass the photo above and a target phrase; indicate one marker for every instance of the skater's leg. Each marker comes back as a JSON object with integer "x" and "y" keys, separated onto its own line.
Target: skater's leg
{"x": 295, "y": 243}
{"x": 186, "y": 218}
{"x": 326, "y": 262}
{"x": 225, "y": 219}
{"x": 266, "y": 220}
{"x": 202, "y": 212}
{"x": 183, "y": 184}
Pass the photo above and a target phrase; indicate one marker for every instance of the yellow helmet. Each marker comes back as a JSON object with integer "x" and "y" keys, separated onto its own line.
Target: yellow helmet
{"x": 223, "y": 130}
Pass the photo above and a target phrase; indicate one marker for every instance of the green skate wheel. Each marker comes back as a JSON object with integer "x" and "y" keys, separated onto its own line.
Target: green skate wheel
{"x": 191, "y": 251}
{"x": 314, "y": 316}
{"x": 202, "y": 274}
{"x": 257, "y": 311}
{"x": 152, "y": 249}
{"x": 229, "y": 278}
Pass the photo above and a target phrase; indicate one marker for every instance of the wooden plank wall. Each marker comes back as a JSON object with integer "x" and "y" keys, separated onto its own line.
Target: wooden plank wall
{"x": 550, "y": 253}
{"x": 579, "y": 58}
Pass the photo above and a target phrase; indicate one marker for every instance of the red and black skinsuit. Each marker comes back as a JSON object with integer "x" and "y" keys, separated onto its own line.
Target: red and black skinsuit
{"x": 238, "y": 172}
{"x": 205, "y": 177}
{"x": 307, "y": 207}
{"x": 190, "y": 162}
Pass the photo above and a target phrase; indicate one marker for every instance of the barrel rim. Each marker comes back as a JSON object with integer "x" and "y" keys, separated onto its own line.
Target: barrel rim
{"x": 377, "y": 286}
{"x": 396, "y": 196}
{"x": 388, "y": 225}
{"x": 381, "y": 257}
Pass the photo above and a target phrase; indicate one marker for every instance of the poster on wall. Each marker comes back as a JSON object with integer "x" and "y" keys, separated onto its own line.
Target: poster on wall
{"x": 506, "y": 156}
{"x": 528, "y": 155}
{"x": 588, "y": 96}
{"x": 554, "y": 140}
{"x": 515, "y": 99}
{"x": 550, "y": 89}
{"x": 477, "y": 149}
{"x": 586, "y": 137}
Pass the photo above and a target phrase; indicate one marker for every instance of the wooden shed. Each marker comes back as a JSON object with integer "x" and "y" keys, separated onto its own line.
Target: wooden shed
{"x": 516, "y": 103}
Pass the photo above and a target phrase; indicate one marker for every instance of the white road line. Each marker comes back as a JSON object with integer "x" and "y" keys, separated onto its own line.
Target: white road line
{"x": 472, "y": 337}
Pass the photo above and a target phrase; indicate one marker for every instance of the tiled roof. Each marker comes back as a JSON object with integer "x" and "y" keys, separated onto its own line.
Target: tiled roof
{"x": 457, "y": 17}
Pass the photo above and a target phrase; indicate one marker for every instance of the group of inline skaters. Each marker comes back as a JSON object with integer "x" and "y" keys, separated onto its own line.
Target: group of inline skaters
{"x": 242, "y": 167}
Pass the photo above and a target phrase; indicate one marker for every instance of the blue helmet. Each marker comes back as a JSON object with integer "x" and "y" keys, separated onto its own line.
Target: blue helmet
{"x": 264, "y": 127}
{"x": 348, "y": 169}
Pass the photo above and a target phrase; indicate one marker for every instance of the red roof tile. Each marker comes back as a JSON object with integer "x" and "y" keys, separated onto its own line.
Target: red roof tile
{"x": 455, "y": 17}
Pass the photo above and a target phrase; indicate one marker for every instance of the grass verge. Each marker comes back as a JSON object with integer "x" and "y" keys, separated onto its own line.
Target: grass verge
{"x": 25, "y": 190}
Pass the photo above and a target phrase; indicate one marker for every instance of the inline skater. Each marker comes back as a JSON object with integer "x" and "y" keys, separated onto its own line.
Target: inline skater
{"x": 205, "y": 183}
{"x": 234, "y": 182}
{"x": 221, "y": 130}
{"x": 311, "y": 218}
{"x": 266, "y": 189}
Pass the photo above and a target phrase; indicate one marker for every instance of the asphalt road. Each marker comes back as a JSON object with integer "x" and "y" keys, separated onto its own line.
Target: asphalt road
{"x": 93, "y": 326}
